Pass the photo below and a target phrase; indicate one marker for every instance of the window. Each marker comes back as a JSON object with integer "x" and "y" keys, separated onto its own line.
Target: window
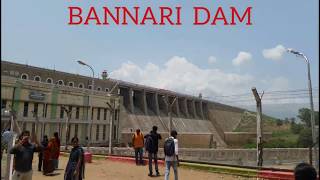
{"x": 71, "y": 84}
{"x": 61, "y": 112}
{"x": 90, "y": 87}
{"x": 25, "y": 109}
{"x": 68, "y": 134}
{"x": 24, "y": 76}
{"x": 98, "y": 115}
{"x": 60, "y": 82}
{"x": 37, "y": 78}
{"x": 105, "y": 114}
{"x": 35, "y": 109}
{"x": 3, "y": 104}
{"x": 76, "y": 130}
{"x": 115, "y": 115}
{"x": 92, "y": 114}
{"x": 33, "y": 130}
{"x": 77, "y": 112}
{"x": 104, "y": 132}
{"x": 45, "y": 110}
{"x": 70, "y": 110}
{"x": 49, "y": 80}
{"x": 81, "y": 85}
{"x": 114, "y": 132}
{"x": 97, "y": 134}
{"x": 99, "y": 89}
{"x": 106, "y": 89}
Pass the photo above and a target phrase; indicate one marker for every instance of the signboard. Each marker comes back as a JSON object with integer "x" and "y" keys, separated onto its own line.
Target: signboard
{"x": 35, "y": 95}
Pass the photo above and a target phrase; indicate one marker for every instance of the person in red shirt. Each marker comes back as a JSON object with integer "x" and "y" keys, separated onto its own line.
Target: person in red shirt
{"x": 56, "y": 152}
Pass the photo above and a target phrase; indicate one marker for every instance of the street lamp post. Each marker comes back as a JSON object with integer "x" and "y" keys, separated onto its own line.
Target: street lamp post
{"x": 314, "y": 138}
{"x": 91, "y": 101}
{"x": 68, "y": 111}
{"x": 112, "y": 109}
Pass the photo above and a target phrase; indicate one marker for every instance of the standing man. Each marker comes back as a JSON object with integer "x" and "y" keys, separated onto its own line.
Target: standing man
{"x": 138, "y": 144}
{"x": 23, "y": 151}
{"x": 56, "y": 152}
{"x": 151, "y": 145}
{"x": 44, "y": 144}
{"x": 171, "y": 155}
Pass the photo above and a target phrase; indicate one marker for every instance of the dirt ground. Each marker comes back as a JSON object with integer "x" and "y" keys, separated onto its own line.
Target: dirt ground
{"x": 111, "y": 170}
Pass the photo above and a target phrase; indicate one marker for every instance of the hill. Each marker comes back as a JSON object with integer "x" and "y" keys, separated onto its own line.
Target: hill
{"x": 281, "y": 137}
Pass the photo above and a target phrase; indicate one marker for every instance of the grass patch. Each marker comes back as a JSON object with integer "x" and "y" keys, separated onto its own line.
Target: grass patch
{"x": 221, "y": 169}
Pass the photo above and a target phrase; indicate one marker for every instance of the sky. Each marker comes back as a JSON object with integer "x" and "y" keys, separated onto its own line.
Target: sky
{"x": 216, "y": 61}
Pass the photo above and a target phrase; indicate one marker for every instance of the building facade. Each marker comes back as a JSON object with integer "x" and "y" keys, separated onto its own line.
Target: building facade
{"x": 48, "y": 101}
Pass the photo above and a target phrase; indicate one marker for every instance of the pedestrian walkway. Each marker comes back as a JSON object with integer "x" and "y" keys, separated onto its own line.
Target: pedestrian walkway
{"x": 107, "y": 169}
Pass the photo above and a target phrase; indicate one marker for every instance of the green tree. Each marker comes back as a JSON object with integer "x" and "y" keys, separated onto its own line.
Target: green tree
{"x": 305, "y": 138}
{"x": 305, "y": 116}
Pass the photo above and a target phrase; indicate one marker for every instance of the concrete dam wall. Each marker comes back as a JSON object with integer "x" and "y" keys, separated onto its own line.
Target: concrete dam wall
{"x": 195, "y": 119}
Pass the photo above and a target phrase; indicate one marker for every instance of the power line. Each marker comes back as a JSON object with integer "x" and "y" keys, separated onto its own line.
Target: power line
{"x": 269, "y": 92}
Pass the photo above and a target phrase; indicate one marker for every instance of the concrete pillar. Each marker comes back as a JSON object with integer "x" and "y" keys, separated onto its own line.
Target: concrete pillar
{"x": 186, "y": 107}
{"x": 167, "y": 104}
{"x": 177, "y": 107}
{"x": 131, "y": 106}
{"x": 144, "y": 103}
{"x": 201, "y": 110}
{"x": 193, "y": 105}
{"x": 156, "y": 104}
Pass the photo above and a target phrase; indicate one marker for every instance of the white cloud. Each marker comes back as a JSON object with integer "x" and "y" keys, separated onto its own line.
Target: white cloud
{"x": 275, "y": 53}
{"x": 212, "y": 60}
{"x": 243, "y": 57}
{"x": 178, "y": 74}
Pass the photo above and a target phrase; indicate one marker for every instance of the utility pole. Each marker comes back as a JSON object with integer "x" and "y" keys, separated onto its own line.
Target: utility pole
{"x": 259, "y": 127}
{"x": 68, "y": 111}
{"x": 112, "y": 109}
{"x": 315, "y": 142}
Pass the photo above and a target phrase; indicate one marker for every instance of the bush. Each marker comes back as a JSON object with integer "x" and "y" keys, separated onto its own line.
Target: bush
{"x": 296, "y": 128}
{"x": 305, "y": 138}
{"x": 279, "y": 122}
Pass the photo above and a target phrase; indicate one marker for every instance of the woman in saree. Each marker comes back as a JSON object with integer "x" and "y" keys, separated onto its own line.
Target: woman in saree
{"x": 75, "y": 166}
{"x": 47, "y": 158}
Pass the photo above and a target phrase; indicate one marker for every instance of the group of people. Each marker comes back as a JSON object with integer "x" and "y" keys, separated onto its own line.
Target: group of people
{"x": 49, "y": 155}
{"x": 150, "y": 143}
{"x": 49, "y": 151}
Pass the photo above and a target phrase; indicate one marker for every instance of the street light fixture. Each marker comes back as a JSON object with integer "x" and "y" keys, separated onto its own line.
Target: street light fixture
{"x": 314, "y": 138}
{"x": 91, "y": 106}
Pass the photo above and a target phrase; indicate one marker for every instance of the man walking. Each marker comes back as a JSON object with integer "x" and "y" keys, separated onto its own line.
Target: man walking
{"x": 23, "y": 151}
{"x": 151, "y": 145}
{"x": 171, "y": 155}
{"x": 138, "y": 143}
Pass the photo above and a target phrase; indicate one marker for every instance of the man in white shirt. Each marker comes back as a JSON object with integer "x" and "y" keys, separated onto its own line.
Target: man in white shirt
{"x": 171, "y": 155}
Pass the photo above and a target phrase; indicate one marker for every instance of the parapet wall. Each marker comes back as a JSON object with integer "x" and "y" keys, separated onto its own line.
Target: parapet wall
{"x": 185, "y": 140}
{"x": 246, "y": 157}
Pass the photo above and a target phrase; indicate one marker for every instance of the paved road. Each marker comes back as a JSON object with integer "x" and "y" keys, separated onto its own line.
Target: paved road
{"x": 106, "y": 169}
